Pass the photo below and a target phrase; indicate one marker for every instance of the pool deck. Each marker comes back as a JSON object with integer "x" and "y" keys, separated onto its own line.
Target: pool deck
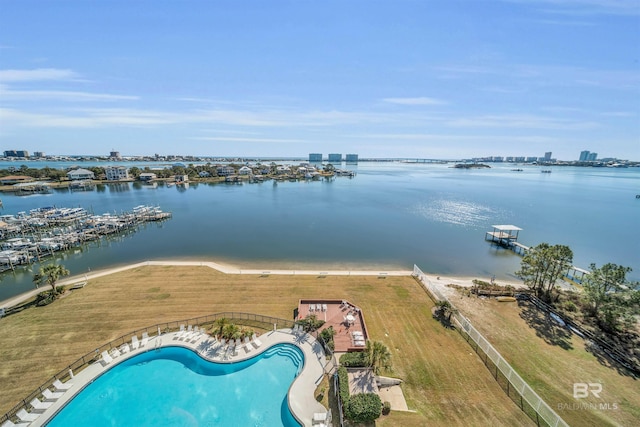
{"x": 301, "y": 393}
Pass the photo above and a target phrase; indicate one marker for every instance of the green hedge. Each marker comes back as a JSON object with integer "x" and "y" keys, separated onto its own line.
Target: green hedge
{"x": 354, "y": 359}
{"x": 343, "y": 378}
{"x": 363, "y": 407}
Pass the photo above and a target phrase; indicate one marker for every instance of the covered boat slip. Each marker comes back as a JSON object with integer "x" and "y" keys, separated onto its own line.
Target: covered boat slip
{"x": 505, "y": 235}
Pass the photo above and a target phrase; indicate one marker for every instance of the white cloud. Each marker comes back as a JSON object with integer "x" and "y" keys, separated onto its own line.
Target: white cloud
{"x": 523, "y": 121}
{"x": 236, "y": 139}
{"x": 586, "y": 7}
{"x": 414, "y": 101}
{"x": 59, "y": 95}
{"x": 37, "y": 74}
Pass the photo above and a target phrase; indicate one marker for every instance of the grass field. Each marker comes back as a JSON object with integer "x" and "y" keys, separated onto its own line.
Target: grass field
{"x": 551, "y": 360}
{"x": 445, "y": 381}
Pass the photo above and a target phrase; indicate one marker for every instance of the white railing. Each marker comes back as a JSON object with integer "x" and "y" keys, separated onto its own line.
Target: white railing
{"x": 516, "y": 382}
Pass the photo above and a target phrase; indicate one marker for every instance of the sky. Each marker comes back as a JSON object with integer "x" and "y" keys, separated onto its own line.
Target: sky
{"x": 438, "y": 79}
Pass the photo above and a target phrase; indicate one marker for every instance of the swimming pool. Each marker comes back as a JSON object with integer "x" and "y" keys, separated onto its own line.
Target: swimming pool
{"x": 173, "y": 386}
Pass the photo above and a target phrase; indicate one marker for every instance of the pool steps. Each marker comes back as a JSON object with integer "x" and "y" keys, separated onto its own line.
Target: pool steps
{"x": 291, "y": 352}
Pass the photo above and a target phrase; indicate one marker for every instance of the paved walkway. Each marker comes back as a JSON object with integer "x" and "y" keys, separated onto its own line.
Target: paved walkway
{"x": 301, "y": 393}
{"x": 227, "y": 269}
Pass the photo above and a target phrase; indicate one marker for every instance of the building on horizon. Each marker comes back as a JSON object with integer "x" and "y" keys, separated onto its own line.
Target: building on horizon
{"x": 16, "y": 153}
{"x": 588, "y": 156}
{"x": 351, "y": 158}
{"x": 335, "y": 158}
{"x": 315, "y": 157}
{"x": 38, "y": 154}
{"x": 547, "y": 156}
{"x": 115, "y": 155}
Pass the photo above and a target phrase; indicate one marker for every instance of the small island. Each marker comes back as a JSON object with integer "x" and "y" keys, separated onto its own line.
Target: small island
{"x": 471, "y": 166}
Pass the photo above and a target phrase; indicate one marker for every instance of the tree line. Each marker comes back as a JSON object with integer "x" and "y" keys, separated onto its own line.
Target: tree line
{"x": 609, "y": 297}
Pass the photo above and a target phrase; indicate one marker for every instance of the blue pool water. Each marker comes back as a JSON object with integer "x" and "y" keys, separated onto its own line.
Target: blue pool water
{"x": 173, "y": 386}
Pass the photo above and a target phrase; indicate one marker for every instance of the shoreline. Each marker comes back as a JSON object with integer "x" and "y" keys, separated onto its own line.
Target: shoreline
{"x": 227, "y": 268}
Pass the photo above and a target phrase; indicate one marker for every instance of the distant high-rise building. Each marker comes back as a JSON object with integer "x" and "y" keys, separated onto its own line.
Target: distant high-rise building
{"x": 115, "y": 155}
{"x": 547, "y": 156}
{"x": 531, "y": 159}
{"x": 38, "y": 154}
{"x": 335, "y": 158}
{"x": 16, "y": 153}
{"x": 593, "y": 157}
{"x": 584, "y": 155}
{"x": 351, "y": 158}
{"x": 315, "y": 157}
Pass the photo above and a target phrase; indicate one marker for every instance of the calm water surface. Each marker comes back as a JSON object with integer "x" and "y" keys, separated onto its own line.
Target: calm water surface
{"x": 391, "y": 215}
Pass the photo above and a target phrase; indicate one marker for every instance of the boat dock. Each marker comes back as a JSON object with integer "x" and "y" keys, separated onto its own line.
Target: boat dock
{"x": 503, "y": 235}
{"x": 506, "y": 236}
{"x": 28, "y": 237}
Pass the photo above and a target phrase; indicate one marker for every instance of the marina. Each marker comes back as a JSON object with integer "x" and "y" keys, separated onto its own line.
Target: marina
{"x": 26, "y": 238}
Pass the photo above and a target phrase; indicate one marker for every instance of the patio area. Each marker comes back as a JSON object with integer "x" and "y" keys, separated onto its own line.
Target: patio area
{"x": 346, "y": 319}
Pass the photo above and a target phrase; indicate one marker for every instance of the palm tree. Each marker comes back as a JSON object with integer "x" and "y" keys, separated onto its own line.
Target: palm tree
{"x": 220, "y": 325}
{"x": 446, "y": 309}
{"x": 377, "y": 356}
{"x": 49, "y": 274}
{"x": 230, "y": 331}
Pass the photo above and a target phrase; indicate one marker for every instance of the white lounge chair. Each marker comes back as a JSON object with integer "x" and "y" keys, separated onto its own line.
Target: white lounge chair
{"x": 312, "y": 307}
{"x": 247, "y": 345}
{"x": 256, "y": 342}
{"x": 114, "y": 353}
{"x": 188, "y": 334}
{"x": 180, "y": 333}
{"x": 26, "y": 417}
{"x": 50, "y": 395}
{"x": 144, "y": 340}
{"x": 10, "y": 423}
{"x": 60, "y": 386}
{"x": 106, "y": 359}
{"x": 324, "y": 307}
{"x": 319, "y": 417}
{"x": 39, "y": 406}
{"x": 196, "y": 334}
{"x": 134, "y": 342}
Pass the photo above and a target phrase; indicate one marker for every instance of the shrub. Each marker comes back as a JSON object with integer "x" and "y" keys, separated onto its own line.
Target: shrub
{"x": 386, "y": 408}
{"x": 311, "y": 323}
{"x": 363, "y": 407}
{"x": 343, "y": 379}
{"x": 570, "y": 306}
{"x": 355, "y": 359}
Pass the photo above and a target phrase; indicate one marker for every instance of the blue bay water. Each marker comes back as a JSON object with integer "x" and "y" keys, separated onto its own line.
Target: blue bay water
{"x": 390, "y": 216}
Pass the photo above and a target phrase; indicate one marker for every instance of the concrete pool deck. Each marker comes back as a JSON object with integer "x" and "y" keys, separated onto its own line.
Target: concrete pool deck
{"x": 301, "y": 392}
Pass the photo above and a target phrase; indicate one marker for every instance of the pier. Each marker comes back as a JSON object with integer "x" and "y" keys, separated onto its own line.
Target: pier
{"x": 506, "y": 236}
